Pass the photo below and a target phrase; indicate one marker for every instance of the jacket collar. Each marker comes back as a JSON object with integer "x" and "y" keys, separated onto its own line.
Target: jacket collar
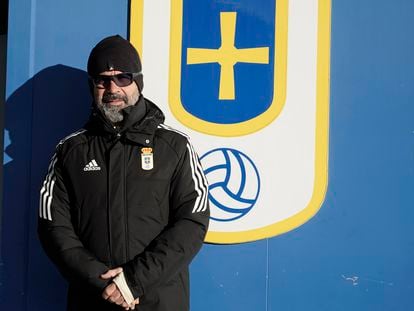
{"x": 140, "y": 123}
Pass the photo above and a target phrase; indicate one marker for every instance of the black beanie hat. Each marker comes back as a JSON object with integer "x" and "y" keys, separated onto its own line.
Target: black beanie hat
{"x": 115, "y": 53}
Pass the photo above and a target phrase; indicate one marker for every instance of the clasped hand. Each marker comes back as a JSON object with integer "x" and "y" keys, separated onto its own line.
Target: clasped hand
{"x": 112, "y": 292}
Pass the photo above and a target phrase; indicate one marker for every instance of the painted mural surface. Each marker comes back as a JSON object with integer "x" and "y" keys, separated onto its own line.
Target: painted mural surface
{"x": 249, "y": 82}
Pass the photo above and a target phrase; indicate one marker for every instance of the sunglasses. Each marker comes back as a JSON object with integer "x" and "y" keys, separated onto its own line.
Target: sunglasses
{"x": 121, "y": 79}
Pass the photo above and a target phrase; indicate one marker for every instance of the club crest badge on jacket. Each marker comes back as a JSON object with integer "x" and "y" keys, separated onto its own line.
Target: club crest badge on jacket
{"x": 147, "y": 160}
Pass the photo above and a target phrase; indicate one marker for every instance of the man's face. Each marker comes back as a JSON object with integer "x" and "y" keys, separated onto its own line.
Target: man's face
{"x": 111, "y": 98}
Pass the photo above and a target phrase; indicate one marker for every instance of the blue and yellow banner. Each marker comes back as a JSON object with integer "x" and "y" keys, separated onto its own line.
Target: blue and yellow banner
{"x": 249, "y": 82}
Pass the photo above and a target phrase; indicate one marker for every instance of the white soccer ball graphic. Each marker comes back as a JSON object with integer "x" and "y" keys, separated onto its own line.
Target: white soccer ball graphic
{"x": 234, "y": 183}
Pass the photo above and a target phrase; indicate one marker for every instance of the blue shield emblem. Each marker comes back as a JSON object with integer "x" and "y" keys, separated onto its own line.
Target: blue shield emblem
{"x": 228, "y": 64}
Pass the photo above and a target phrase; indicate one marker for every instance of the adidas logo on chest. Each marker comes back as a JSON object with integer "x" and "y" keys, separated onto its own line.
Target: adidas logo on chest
{"x": 92, "y": 166}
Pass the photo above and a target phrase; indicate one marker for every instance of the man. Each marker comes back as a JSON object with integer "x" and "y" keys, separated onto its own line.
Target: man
{"x": 124, "y": 207}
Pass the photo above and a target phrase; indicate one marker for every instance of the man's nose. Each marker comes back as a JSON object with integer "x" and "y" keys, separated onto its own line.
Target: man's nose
{"x": 111, "y": 86}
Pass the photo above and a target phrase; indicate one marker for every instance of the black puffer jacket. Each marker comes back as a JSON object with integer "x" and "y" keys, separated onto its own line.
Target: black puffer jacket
{"x": 134, "y": 197}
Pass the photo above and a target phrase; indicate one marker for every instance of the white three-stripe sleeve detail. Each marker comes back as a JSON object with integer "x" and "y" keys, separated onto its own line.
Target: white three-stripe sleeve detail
{"x": 49, "y": 199}
{"x": 46, "y": 192}
{"x": 169, "y": 128}
{"x": 195, "y": 180}
{"x": 204, "y": 182}
{"x": 201, "y": 181}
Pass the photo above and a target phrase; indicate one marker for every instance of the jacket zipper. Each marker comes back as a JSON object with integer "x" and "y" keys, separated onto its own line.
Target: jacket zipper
{"x": 125, "y": 205}
{"x": 108, "y": 206}
{"x": 118, "y": 135}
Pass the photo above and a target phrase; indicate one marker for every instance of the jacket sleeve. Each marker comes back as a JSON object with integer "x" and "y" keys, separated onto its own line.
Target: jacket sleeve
{"x": 176, "y": 246}
{"x": 57, "y": 234}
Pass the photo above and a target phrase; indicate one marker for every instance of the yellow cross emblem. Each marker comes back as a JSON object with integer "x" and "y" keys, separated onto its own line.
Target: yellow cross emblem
{"x": 227, "y": 55}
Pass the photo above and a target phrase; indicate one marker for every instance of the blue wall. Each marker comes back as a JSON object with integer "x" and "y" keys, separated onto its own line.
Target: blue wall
{"x": 356, "y": 253}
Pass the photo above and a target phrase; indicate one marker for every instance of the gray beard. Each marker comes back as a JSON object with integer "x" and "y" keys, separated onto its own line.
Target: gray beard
{"x": 114, "y": 114}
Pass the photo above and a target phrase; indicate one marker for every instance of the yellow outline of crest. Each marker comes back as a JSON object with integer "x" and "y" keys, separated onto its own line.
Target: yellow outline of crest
{"x": 322, "y": 120}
